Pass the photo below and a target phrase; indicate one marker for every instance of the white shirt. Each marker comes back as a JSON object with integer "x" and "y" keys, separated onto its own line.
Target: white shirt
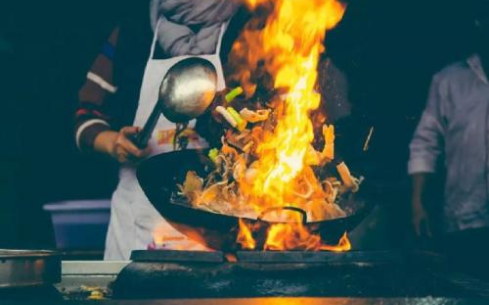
{"x": 455, "y": 122}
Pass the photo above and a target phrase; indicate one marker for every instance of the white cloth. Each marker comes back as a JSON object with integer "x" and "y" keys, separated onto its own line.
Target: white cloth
{"x": 133, "y": 219}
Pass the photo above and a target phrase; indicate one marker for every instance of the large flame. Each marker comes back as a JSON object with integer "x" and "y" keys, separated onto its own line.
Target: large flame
{"x": 288, "y": 47}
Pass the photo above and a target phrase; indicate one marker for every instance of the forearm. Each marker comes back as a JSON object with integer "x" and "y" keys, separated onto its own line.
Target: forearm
{"x": 104, "y": 142}
{"x": 419, "y": 182}
{"x": 420, "y": 218}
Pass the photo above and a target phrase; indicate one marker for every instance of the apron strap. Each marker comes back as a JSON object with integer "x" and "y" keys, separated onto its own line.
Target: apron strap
{"x": 221, "y": 35}
{"x": 155, "y": 39}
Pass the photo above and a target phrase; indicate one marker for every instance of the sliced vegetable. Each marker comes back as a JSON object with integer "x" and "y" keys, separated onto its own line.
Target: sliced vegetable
{"x": 349, "y": 181}
{"x": 227, "y": 116}
{"x": 254, "y": 116}
{"x": 213, "y": 153}
{"x": 233, "y": 94}
{"x": 328, "y": 150}
{"x": 241, "y": 124}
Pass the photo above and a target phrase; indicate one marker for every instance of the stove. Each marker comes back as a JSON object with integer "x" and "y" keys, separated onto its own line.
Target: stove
{"x": 386, "y": 274}
{"x": 179, "y": 277}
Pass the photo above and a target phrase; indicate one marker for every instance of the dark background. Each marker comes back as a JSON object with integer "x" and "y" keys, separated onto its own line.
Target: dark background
{"x": 388, "y": 49}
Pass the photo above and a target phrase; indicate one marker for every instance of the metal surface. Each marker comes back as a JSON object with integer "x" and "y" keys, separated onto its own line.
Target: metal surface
{"x": 234, "y": 283}
{"x": 364, "y": 274}
{"x": 186, "y": 91}
{"x": 160, "y": 175}
{"x": 388, "y": 282}
{"x": 23, "y": 268}
{"x": 277, "y": 301}
{"x": 92, "y": 268}
{"x": 78, "y": 275}
{"x": 353, "y": 257}
{"x": 177, "y": 256}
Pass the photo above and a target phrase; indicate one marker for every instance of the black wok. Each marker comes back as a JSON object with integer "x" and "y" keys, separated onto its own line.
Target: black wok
{"x": 159, "y": 176}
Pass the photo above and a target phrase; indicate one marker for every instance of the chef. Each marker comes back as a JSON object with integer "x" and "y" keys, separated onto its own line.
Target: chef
{"x": 130, "y": 69}
{"x": 455, "y": 123}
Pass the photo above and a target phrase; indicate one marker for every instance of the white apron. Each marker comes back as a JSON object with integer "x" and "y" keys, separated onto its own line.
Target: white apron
{"x": 134, "y": 222}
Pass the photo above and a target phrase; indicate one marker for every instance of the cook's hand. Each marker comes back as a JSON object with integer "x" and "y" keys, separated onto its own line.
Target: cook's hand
{"x": 119, "y": 146}
{"x": 421, "y": 223}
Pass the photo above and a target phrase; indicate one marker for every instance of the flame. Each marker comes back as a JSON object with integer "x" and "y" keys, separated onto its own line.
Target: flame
{"x": 287, "y": 50}
{"x": 342, "y": 246}
{"x": 253, "y": 3}
{"x": 294, "y": 34}
{"x": 161, "y": 236}
{"x": 295, "y": 237}
{"x": 290, "y": 236}
{"x": 245, "y": 237}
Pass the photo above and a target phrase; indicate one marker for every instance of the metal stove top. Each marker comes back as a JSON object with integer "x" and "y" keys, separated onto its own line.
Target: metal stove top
{"x": 163, "y": 274}
{"x": 304, "y": 257}
{"x": 356, "y": 277}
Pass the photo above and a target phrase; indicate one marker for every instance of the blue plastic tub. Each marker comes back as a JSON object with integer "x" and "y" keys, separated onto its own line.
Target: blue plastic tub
{"x": 80, "y": 224}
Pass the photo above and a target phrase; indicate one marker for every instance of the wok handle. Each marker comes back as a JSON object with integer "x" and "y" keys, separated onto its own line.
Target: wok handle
{"x": 294, "y": 209}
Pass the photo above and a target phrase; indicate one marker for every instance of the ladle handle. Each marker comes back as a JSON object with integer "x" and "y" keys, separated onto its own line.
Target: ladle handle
{"x": 141, "y": 138}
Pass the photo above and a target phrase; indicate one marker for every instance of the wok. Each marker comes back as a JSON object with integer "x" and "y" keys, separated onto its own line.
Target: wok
{"x": 160, "y": 174}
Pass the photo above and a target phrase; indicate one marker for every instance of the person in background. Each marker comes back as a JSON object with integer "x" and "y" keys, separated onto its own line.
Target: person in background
{"x": 455, "y": 124}
{"x": 149, "y": 39}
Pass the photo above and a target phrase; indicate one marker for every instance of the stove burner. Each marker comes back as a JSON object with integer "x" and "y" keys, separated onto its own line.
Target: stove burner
{"x": 293, "y": 274}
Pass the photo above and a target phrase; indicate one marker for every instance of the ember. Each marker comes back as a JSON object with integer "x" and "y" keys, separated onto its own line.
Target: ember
{"x": 267, "y": 161}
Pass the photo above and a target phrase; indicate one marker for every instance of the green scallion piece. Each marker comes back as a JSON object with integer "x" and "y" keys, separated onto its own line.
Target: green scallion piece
{"x": 233, "y": 94}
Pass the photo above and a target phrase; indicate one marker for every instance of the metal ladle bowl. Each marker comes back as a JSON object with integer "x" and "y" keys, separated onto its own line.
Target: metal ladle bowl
{"x": 188, "y": 89}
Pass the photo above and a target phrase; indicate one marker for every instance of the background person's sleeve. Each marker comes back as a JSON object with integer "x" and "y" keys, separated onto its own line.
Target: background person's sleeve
{"x": 426, "y": 144}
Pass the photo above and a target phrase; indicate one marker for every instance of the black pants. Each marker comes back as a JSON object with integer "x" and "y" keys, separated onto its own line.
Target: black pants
{"x": 468, "y": 251}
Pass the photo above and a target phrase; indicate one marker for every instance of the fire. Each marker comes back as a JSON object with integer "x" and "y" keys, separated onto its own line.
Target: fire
{"x": 288, "y": 48}
{"x": 245, "y": 237}
{"x": 289, "y": 236}
{"x": 294, "y": 34}
{"x": 342, "y": 246}
{"x": 294, "y": 236}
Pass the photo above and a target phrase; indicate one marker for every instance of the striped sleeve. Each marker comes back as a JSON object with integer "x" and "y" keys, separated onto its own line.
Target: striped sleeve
{"x": 90, "y": 118}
